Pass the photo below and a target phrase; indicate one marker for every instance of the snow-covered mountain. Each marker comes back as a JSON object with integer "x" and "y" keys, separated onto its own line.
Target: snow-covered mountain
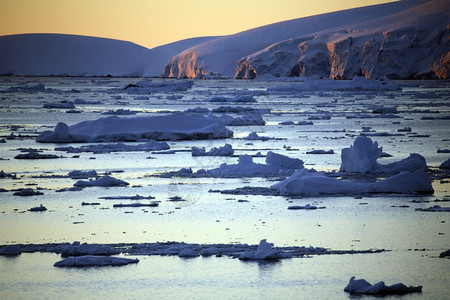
{"x": 405, "y": 39}
{"x": 73, "y": 55}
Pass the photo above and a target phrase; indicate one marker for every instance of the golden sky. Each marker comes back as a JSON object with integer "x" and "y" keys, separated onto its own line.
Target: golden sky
{"x": 151, "y": 23}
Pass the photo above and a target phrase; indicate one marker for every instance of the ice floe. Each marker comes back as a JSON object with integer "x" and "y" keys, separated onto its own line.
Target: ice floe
{"x": 95, "y": 261}
{"x": 153, "y": 204}
{"x": 38, "y": 208}
{"x": 148, "y": 86}
{"x": 11, "y": 250}
{"x": 445, "y": 164}
{"x": 226, "y": 150}
{"x": 62, "y": 104}
{"x": 434, "y": 208}
{"x": 181, "y": 126}
{"x": 238, "y": 98}
{"x": 306, "y": 207}
{"x": 305, "y": 182}
{"x": 361, "y": 286}
{"x": 276, "y": 164}
{"x": 78, "y": 249}
{"x": 28, "y": 192}
{"x": 265, "y": 251}
{"x": 105, "y": 181}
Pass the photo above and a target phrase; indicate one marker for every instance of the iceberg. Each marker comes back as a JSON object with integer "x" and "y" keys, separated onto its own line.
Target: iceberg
{"x": 182, "y": 126}
{"x": 362, "y": 158}
{"x": 361, "y": 286}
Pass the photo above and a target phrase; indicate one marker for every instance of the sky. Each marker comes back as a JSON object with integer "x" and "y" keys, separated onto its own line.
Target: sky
{"x": 151, "y": 23}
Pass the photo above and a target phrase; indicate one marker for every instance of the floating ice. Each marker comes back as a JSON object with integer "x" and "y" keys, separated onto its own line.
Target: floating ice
{"x": 116, "y": 147}
{"x": 97, "y": 261}
{"x": 265, "y": 251}
{"x": 148, "y": 86}
{"x": 239, "y": 98}
{"x": 104, "y": 181}
{"x": 305, "y": 182}
{"x": 188, "y": 253}
{"x": 120, "y": 112}
{"x": 276, "y": 164}
{"x": 62, "y": 104}
{"x": 153, "y": 204}
{"x": 11, "y": 250}
{"x": 77, "y": 174}
{"x": 361, "y": 286}
{"x": 181, "y": 126}
{"x": 307, "y": 207}
{"x": 28, "y": 192}
{"x": 226, "y": 150}
{"x": 320, "y": 152}
{"x": 362, "y": 158}
{"x": 38, "y": 208}
{"x": 77, "y": 249}
{"x": 445, "y": 164}
{"x": 434, "y": 208}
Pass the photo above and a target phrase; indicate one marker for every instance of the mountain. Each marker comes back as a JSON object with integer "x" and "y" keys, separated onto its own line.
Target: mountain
{"x": 74, "y": 55}
{"x": 405, "y": 39}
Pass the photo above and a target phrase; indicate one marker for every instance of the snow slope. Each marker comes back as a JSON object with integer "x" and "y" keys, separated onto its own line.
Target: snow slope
{"x": 369, "y": 41}
{"x": 73, "y": 55}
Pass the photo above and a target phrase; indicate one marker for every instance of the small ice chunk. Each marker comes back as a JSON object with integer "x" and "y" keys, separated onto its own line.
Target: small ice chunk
{"x": 38, "y": 208}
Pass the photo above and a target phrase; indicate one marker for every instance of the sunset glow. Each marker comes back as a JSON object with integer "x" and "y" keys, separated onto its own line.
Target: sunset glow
{"x": 152, "y": 23}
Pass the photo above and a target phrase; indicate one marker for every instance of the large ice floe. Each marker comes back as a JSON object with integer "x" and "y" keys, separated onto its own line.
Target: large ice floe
{"x": 361, "y": 286}
{"x": 181, "y": 126}
{"x": 148, "y": 86}
{"x": 116, "y": 147}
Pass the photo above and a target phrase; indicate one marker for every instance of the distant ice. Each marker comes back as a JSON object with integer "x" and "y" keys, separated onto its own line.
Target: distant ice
{"x": 445, "y": 164}
{"x": 38, "y": 208}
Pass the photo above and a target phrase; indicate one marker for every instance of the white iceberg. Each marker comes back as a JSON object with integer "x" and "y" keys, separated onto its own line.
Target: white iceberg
{"x": 265, "y": 251}
{"x": 362, "y": 158}
{"x": 361, "y": 286}
{"x": 304, "y": 182}
{"x": 182, "y": 126}
{"x": 94, "y": 261}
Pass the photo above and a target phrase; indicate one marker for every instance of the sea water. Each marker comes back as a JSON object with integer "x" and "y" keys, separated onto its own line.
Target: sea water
{"x": 413, "y": 239}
